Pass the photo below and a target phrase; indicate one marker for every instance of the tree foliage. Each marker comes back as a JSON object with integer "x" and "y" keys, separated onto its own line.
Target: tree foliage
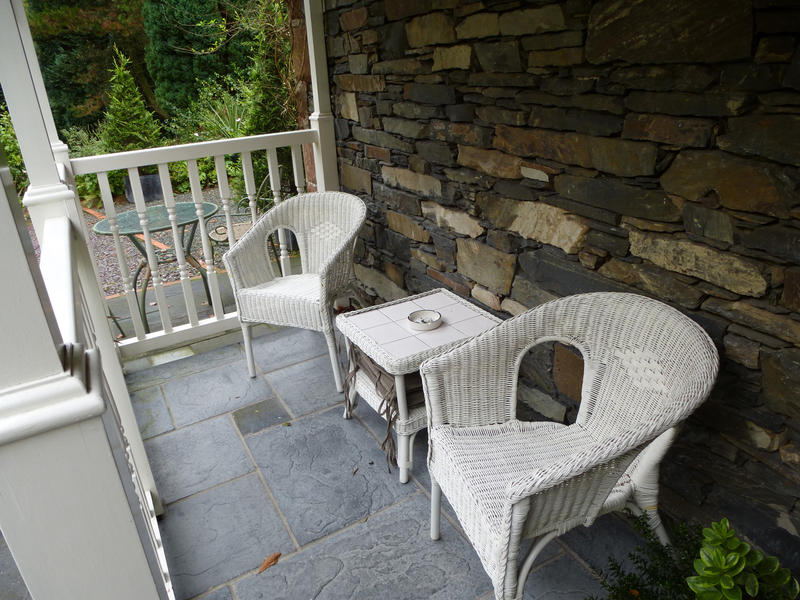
{"x": 189, "y": 41}
{"x": 127, "y": 124}
{"x": 75, "y": 43}
{"x": 8, "y": 140}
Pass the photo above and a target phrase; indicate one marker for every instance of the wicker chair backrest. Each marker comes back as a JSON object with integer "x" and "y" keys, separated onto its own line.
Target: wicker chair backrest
{"x": 640, "y": 357}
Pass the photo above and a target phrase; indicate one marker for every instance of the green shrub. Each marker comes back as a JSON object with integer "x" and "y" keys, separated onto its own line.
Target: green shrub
{"x": 127, "y": 124}
{"x": 8, "y": 140}
{"x": 703, "y": 564}
{"x": 83, "y": 141}
{"x": 659, "y": 571}
{"x": 729, "y": 569}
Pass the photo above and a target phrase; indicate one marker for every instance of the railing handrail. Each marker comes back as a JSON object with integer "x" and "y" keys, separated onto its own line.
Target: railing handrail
{"x": 58, "y": 275}
{"x": 182, "y": 152}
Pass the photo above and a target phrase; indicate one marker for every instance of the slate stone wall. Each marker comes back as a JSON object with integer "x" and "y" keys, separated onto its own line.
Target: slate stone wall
{"x": 519, "y": 151}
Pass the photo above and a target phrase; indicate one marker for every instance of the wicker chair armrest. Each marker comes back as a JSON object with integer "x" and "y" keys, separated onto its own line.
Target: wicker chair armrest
{"x": 336, "y": 273}
{"x": 247, "y": 261}
{"x": 460, "y": 390}
{"x": 607, "y": 453}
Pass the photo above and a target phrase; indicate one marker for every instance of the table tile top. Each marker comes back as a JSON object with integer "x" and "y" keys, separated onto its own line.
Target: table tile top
{"x": 385, "y": 328}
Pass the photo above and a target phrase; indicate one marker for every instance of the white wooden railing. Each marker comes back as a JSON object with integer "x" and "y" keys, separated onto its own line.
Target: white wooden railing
{"x": 68, "y": 466}
{"x": 241, "y": 149}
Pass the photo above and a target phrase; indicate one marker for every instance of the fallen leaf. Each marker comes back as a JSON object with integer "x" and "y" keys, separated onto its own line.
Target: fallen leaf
{"x": 269, "y": 561}
{"x": 355, "y": 471}
{"x": 287, "y": 424}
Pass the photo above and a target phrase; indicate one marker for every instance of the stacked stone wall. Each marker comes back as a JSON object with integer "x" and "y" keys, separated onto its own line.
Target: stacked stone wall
{"x": 515, "y": 152}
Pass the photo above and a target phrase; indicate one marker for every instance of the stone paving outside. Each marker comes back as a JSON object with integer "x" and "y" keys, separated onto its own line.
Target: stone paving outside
{"x": 250, "y": 467}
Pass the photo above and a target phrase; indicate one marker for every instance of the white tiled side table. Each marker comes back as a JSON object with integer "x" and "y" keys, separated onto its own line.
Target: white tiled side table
{"x": 383, "y": 334}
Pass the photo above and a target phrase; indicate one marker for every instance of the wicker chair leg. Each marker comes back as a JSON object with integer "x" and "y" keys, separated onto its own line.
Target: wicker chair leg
{"x": 403, "y": 454}
{"x": 533, "y": 553}
{"x": 248, "y": 349}
{"x": 337, "y": 375}
{"x": 436, "y": 508}
{"x": 654, "y": 520}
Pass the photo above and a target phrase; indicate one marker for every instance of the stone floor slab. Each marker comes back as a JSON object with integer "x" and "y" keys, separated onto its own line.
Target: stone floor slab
{"x": 220, "y": 594}
{"x": 562, "y": 579}
{"x": 220, "y": 534}
{"x": 197, "y": 457}
{"x": 325, "y": 473}
{"x": 12, "y": 587}
{"x": 151, "y": 412}
{"x": 185, "y": 366}
{"x": 216, "y": 390}
{"x": 389, "y": 556}
{"x": 287, "y": 346}
{"x": 306, "y": 386}
{"x": 609, "y": 536}
{"x": 259, "y": 416}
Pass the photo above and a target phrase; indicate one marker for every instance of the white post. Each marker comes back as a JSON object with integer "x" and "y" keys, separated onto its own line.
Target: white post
{"x": 63, "y": 506}
{"x": 60, "y": 149}
{"x": 321, "y": 120}
{"x": 48, "y": 196}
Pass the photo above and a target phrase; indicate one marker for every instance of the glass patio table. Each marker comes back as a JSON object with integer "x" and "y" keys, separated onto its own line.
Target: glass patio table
{"x": 158, "y": 220}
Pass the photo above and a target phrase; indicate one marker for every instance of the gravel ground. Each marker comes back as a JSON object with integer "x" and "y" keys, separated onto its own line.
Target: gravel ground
{"x": 102, "y": 246}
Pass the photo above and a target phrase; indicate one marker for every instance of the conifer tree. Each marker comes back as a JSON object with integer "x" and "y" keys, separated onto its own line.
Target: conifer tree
{"x": 127, "y": 124}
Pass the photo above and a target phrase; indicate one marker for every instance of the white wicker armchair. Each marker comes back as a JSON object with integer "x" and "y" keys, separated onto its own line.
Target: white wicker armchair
{"x": 326, "y": 225}
{"x": 646, "y": 368}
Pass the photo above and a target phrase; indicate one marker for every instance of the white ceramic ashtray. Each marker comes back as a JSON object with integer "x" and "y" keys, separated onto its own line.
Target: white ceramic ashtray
{"x": 424, "y": 320}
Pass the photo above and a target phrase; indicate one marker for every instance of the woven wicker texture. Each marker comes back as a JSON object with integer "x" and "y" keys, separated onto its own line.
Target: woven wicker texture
{"x": 646, "y": 368}
{"x": 411, "y": 362}
{"x": 325, "y": 225}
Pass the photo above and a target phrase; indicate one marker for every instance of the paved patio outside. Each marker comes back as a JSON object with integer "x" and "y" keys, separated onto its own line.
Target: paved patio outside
{"x": 250, "y": 467}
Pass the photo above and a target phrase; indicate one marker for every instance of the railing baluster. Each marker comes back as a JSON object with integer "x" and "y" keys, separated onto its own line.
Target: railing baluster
{"x": 186, "y": 282}
{"x": 249, "y": 184}
{"x": 125, "y": 273}
{"x": 298, "y": 169}
{"x": 225, "y": 196}
{"x": 152, "y": 259}
{"x": 211, "y": 272}
{"x": 275, "y": 184}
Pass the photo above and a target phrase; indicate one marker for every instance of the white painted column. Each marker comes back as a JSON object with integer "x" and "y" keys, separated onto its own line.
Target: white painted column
{"x": 64, "y": 512}
{"x": 321, "y": 120}
{"x": 60, "y": 149}
{"x": 48, "y": 196}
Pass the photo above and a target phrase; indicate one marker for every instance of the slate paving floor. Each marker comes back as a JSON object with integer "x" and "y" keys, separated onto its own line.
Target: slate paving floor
{"x": 250, "y": 467}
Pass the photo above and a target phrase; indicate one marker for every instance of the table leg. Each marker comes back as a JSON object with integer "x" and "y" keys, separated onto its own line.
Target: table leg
{"x": 193, "y": 261}
{"x": 143, "y": 299}
{"x": 403, "y": 441}
{"x": 351, "y": 389}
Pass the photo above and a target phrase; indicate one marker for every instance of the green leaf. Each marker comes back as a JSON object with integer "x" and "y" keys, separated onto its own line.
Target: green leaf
{"x": 698, "y": 584}
{"x": 732, "y": 559}
{"x": 738, "y": 568}
{"x": 782, "y": 577}
{"x": 719, "y": 558}
{"x": 699, "y": 566}
{"x": 751, "y": 585}
{"x": 710, "y": 595}
{"x": 735, "y": 593}
{"x": 726, "y": 581}
{"x": 794, "y": 589}
{"x": 707, "y": 557}
{"x": 768, "y": 565}
{"x": 754, "y": 557}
